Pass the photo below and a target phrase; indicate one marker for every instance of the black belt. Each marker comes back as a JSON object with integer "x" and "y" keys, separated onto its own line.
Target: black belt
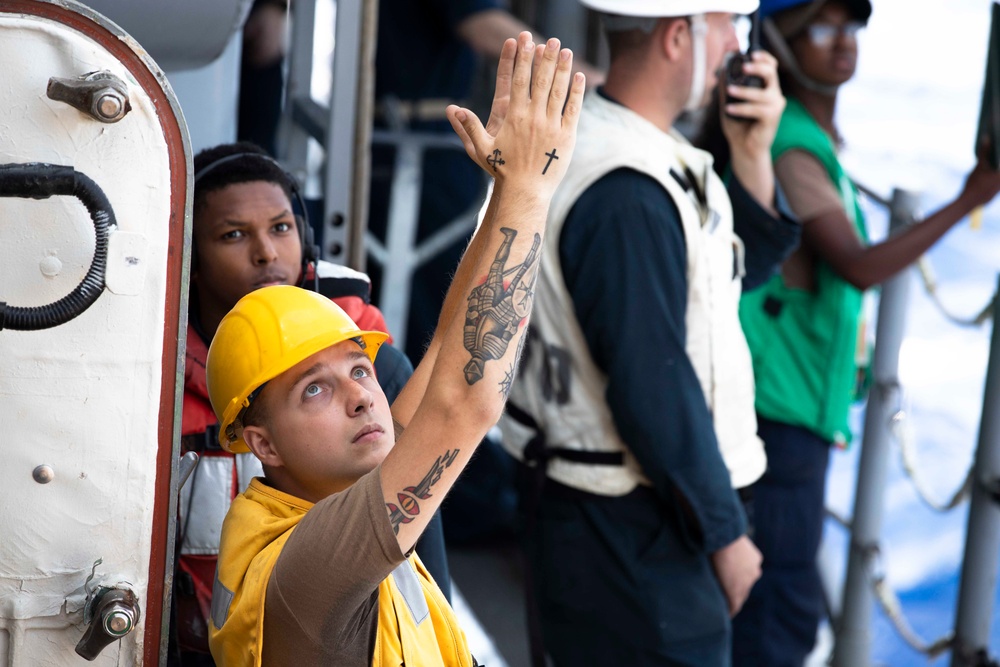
{"x": 537, "y": 452}
{"x": 206, "y": 441}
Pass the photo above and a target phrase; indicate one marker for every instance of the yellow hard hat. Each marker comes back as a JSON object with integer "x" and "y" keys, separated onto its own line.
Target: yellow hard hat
{"x": 267, "y": 332}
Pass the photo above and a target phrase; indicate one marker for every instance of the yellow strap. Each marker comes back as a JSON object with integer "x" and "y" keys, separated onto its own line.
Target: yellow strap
{"x": 976, "y": 218}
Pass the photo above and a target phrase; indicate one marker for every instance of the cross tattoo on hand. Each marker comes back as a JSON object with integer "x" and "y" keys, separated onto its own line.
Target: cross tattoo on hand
{"x": 495, "y": 159}
{"x": 552, "y": 156}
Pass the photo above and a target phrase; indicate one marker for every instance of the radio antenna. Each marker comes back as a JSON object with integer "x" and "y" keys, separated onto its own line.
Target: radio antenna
{"x": 754, "y": 32}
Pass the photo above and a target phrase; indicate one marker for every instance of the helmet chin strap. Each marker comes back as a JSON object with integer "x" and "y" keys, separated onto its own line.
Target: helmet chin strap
{"x": 699, "y": 30}
{"x": 785, "y": 56}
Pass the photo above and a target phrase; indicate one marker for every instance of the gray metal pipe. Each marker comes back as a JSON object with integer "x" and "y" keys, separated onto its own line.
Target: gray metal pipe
{"x": 365, "y": 110}
{"x": 853, "y": 628}
{"x": 401, "y": 238}
{"x": 180, "y": 34}
{"x": 340, "y": 175}
{"x": 293, "y": 137}
{"x": 978, "y": 583}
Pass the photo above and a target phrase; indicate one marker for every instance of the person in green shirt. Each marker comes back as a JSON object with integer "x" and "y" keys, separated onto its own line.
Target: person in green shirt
{"x": 803, "y": 326}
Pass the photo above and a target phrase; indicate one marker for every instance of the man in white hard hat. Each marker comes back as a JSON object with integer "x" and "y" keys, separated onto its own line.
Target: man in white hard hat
{"x": 634, "y": 408}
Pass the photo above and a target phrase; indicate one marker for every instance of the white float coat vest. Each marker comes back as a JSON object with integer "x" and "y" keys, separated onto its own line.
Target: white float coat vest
{"x": 217, "y": 480}
{"x": 561, "y": 388}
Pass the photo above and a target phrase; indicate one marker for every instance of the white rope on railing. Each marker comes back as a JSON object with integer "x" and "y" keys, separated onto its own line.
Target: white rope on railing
{"x": 889, "y": 602}
{"x": 923, "y": 265}
{"x": 893, "y": 610}
{"x": 930, "y": 284}
{"x": 899, "y": 423}
{"x": 901, "y": 429}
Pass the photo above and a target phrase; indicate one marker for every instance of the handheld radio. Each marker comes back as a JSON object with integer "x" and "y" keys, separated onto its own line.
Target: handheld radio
{"x": 734, "y": 66}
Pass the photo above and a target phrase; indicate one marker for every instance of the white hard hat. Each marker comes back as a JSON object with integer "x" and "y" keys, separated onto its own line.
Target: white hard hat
{"x": 658, "y": 8}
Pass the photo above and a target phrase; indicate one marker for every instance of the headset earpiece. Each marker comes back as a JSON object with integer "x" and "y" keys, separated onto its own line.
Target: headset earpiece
{"x": 310, "y": 251}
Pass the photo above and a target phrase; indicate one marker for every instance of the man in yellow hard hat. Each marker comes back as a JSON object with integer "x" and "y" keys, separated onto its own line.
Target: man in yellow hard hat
{"x": 247, "y": 232}
{"x": 316, "y": 562}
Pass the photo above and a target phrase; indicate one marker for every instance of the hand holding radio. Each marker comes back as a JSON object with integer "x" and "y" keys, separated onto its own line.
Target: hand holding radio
{"x": 735, "y": 74}
{"x": 750, "y": 113}
{"x": 751, "y": 106}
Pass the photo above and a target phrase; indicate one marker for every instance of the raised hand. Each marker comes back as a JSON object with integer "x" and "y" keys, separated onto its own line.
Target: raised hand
{"x": 750, "y": 126}
{"x": 461, "y": 384}
{"x": 762, "y": 106}
{"x": 529, "y": 137}
{"x": 981, "y": 185}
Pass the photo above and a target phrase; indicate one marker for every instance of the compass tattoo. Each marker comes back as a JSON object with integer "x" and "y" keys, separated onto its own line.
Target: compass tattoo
{"x": 409, "y": 498}
{"x": 495, "y": 160}
{"x": 496, "y": 311}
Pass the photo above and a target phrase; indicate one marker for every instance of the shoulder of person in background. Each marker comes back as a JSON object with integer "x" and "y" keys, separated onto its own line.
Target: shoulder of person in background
{"x": 265, "y": 33}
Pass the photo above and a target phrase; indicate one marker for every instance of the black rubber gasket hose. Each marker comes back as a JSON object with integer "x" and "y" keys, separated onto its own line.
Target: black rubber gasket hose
{"x": 36, "y": 180}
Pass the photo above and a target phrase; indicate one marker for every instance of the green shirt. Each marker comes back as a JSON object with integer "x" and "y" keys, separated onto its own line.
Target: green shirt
{"x": 803, "y": 342}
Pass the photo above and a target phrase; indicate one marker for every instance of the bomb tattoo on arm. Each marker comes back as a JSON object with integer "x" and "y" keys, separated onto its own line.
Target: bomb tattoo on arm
{"x": 495, "y": 311}
{"x": 409, "y": 498}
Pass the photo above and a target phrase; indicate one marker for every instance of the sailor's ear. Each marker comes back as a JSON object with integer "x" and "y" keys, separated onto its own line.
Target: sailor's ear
{"x": 674, "y": 38}
{"x": 259, "y": 441}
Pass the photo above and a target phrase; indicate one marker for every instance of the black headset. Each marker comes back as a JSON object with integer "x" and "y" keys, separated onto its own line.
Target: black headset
{"x": 310, "y": 251}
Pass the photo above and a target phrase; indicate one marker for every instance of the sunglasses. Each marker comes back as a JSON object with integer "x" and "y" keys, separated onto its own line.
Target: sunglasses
{"x": 824, "y": 34}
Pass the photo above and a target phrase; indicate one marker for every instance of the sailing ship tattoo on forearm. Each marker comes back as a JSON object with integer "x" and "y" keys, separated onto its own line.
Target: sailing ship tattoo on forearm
{"x": 409, "y": 498}
{"x": 495, "y": 312}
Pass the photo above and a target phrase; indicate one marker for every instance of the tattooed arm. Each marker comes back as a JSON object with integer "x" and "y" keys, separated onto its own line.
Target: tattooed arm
{"x": 458, "y": 391}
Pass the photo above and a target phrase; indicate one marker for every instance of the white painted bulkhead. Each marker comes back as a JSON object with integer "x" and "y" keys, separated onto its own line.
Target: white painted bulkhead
{"x": 83, "y": 398}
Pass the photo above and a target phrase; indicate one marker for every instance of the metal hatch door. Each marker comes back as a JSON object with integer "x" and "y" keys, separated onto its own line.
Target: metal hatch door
{"x": 94, "y": 236}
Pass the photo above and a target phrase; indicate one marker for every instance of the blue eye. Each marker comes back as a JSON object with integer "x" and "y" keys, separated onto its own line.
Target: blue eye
{"x": 360, "y": 372}
{"x": 312, "y": 390}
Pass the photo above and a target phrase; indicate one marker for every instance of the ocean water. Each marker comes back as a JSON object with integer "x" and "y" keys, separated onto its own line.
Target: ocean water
{"x": 909, "y": 118}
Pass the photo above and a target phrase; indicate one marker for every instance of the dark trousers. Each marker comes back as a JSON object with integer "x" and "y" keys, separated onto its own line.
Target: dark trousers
{"x": 777, "y": 625}
{"x": 617, "y": 585}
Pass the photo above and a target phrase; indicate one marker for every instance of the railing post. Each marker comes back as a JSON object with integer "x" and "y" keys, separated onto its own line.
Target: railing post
{"x": 853, "y": 628}
{"x": 401, "y": 237}
{"x": 978, "y": 583}
{"x": 294, "y": 139}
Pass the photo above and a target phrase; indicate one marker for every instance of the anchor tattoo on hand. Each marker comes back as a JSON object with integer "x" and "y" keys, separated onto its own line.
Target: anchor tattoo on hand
{"x": 495, "y": 159}
{"x": 495, "y": 312}
{"x": 551, "y": 156}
